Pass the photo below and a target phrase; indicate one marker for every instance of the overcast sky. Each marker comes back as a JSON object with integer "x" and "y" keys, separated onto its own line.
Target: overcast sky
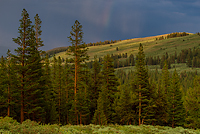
{"x": 101, "y": 19}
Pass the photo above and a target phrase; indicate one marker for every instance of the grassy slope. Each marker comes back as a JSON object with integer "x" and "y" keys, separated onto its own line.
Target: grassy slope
{"x": 152, "y": 47}
{"x": 125, "y": 46}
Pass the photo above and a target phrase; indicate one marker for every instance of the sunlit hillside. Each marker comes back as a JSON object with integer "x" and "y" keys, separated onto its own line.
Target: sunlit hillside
{"x": 152, "y": 47}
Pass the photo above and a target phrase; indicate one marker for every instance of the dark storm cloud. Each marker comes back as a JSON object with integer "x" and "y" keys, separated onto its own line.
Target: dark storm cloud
{"x": 101, "y": 19}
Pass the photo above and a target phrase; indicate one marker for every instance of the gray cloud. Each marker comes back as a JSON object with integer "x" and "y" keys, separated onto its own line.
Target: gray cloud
{"x": 101, "y": 19}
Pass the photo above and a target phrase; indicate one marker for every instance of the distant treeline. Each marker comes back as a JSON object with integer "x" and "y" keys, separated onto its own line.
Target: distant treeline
{"x": 189, "y": 56}
{"x": 56, "y": 50}
{"x": 172, "y": 35}
{"x": 103, "y": 43}
{"x": 62, "y": 49}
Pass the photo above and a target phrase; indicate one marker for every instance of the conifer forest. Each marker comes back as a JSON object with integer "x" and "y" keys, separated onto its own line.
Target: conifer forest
{"x": 78, "y": 91}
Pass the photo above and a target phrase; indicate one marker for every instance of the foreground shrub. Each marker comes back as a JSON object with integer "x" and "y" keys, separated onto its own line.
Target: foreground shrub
{"x": 7, "y": 123}
{"x": 10, "y": 126}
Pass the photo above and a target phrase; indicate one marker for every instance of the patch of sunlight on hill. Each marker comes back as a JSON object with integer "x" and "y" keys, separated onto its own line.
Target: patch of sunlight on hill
{"x": 152, "y": 47}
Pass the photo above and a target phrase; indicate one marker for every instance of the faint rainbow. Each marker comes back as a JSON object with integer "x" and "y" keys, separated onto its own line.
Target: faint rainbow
{"x": 107, "y": 13}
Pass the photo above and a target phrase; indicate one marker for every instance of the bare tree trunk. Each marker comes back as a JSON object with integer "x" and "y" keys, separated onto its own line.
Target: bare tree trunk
{"x": 8, "y": 99}
{"x": 173, "y": 114}
{"x": 80, "y": 118}
{"x": 22, "y": 105}
{"x": 59, "y": 103}
{"x": 140, "y": 103}
{"x": 76, "y": 69}
{"x": 23, "y": 76}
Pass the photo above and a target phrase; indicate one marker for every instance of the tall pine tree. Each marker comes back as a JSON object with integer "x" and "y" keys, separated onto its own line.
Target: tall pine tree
{"x": 176, "y": 108}
{"x": 78, "y": 51}
{"x": 51, "y": 114}
{"x": 192, "y": 104}
{"x": 110, "y": 82}
{"x": 165, "y": 87}
{"x": 100, "y": 114}
{"x": 38, "y": 31}
{"x": 3, "y": 87}
{"x": 23, "y": 41}
{"x": 95, "y": 85}
{"x": 29, "y": 68}
{"x": 145, "y": 94}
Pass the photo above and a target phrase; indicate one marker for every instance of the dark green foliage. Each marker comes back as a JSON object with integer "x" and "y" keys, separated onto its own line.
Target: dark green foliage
{"x": 163, "y": 60}
{"x": 164, "y": 92}
{"x": 35, "y": 91}
{"x": 102, "y": 105}
{"x": 131, "y": 60}
{"x": 124, "y": 106}
{"x": 176, "y": 108}
{"x": 172, "y": 35}
{"x": 95, "y": 85}
{"x": 192, "y": 105}
{"x": 175, "y": 55}
{"x": 67, "y": 94}
{"x": 145, "y": 95}
{"x": 8, "y": 87}
{"x": 50, "y": 107}
{"x": 109, "y": 78}
{"x": 3, "y": 87}
{"x": 59, "y": 88}
{"x": 12, "y": 85}
{"x": 189, "y": 56}
{"x": 38, "y": 31}
{"x": 110, "y": 83}
{"x": 165, "y": 78}
{"x": 161, "y": 101}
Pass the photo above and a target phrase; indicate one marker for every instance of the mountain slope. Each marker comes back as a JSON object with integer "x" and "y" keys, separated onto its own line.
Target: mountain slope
{"x": 152, "y": 47}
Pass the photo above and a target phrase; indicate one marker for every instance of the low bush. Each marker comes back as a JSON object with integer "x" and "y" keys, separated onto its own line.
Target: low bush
{"x": 10, "y": 126}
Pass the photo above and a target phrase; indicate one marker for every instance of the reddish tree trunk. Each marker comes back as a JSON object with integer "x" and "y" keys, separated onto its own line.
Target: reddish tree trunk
{"x": 140, "y": 103}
